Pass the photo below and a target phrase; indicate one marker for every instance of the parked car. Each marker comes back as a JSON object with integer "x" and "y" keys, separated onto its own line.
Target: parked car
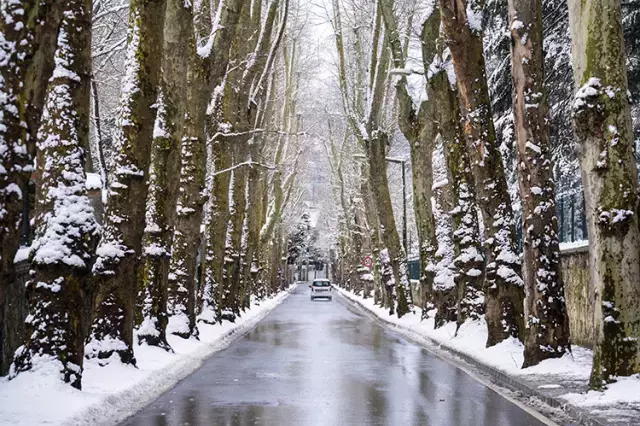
{"x": 321, "y": 288}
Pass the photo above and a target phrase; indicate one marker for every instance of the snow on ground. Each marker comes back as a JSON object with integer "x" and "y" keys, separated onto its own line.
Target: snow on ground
{"x": 112, "y": 393}
{"x": 554, "y": 376}
{"x": 626, "y": 389}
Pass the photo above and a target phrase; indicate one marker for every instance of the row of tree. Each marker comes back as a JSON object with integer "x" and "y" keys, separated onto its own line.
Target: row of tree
{"x": 199, "y": 166}
{"x": 444, "y": 107}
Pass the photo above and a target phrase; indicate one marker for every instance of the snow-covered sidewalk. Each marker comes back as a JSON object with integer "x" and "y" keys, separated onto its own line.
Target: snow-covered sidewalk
{"x": 112, "y": 393}
{"x": 565, "y": 379}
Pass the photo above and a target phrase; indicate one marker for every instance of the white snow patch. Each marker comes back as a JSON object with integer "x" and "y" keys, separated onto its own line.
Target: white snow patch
{"x": 625, "y": 390}
{"x": 114, "y": 392}
{"x": 94, "y": 181}
{"x": 574, "y": 245}
{"x": 22, "y": 254}
{"x": 474, "y": 17}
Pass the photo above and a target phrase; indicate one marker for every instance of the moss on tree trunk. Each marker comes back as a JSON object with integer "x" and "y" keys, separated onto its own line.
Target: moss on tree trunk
{"x": 29, "y": 31}
{"x": 59, "y": 290}
{"x": 118, "y": 268}
{"x": 547, "y": 331}
{"x": 502, "y": 303}
{"x": 602, "y": 123}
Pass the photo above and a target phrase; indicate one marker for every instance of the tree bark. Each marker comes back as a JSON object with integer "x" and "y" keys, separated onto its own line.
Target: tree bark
{"x": 29, "y": 30}
{"x": 547, "y": 328}
{"x": 420, "y": 129}
{"x": 216, "y": 232}
{"x": 62, "y": 255}
{"x": 118, "y": 267}
{"x": 503, "y": 286}
{"x": 602, "y": 124}
{"x": 234, "y": 276}
{"x": 464, "y": 298}
{"x": 205, "y": 72}
{"x": 163, "y": 170}
{"x": 393, "y": 256}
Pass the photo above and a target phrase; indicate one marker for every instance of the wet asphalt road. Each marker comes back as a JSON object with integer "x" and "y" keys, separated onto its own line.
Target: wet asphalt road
{"x": 326, "y": 363}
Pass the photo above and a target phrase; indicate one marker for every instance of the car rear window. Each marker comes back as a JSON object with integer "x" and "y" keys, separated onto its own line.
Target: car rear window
{"x": 321, "y": 283}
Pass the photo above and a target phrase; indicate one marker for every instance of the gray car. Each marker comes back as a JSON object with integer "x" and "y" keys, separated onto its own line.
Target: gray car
{"x": 321, "y": 288}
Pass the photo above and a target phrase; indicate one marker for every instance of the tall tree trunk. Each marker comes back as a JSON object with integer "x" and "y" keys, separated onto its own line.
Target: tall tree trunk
{"x": 602, "y": 123}
{"x": 59, "y": 289}
{"x": 393, "y": 253}
{"x": 163, "y": 170}
{"x": 547, "y": 331}
{"x": 468, "y": 261}
{"x": 373, "y": 229}
{"x": 206, "y": 68}
{"x": 216, "y": 231}
{"x": 504, "y": 296}
{"x": 420, "y": 129}
{"x": 118, "y": 266}
{"x": 253, "y": 228}
{"x": 29, "y": 34}
{"x": 236, "y": 229}
{"x": 393, "y": 257}
{"x": 235, "y": 115}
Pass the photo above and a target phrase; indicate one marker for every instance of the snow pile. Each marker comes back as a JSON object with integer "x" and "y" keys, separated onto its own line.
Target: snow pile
{"x": 575, "y": 245}
{"x": 626, "y": 390}
{"x": 508, "y": 357}
{"x": 112, "y": 393}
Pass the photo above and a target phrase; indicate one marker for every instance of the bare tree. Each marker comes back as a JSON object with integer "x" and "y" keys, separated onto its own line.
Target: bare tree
{"x": 375, "y": 140}
{"x": 29, "y": 34}
{"x": 164, "y": 166}
{"x": 208, "y": 59}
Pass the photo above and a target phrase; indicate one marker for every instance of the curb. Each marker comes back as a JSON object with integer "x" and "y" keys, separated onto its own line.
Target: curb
{"x": 127, "y": 402}
{"x": 581, "y": 415}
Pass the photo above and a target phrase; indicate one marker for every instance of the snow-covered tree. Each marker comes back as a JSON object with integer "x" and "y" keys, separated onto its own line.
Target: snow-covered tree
{"x": 209, "y": 50}
{"x": 163, "y": 168}
{"x": 60, "y": 289}
{"x": 462, "y": 26}
{"x": 117, "y": 266}
{"x": 365, "y": 116}
{"x": 27, "y": 44}
{"x": 547, "y": 330}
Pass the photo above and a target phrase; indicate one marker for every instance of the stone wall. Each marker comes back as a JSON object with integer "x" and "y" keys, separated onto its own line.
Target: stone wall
{"x": 579, "y": 294}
